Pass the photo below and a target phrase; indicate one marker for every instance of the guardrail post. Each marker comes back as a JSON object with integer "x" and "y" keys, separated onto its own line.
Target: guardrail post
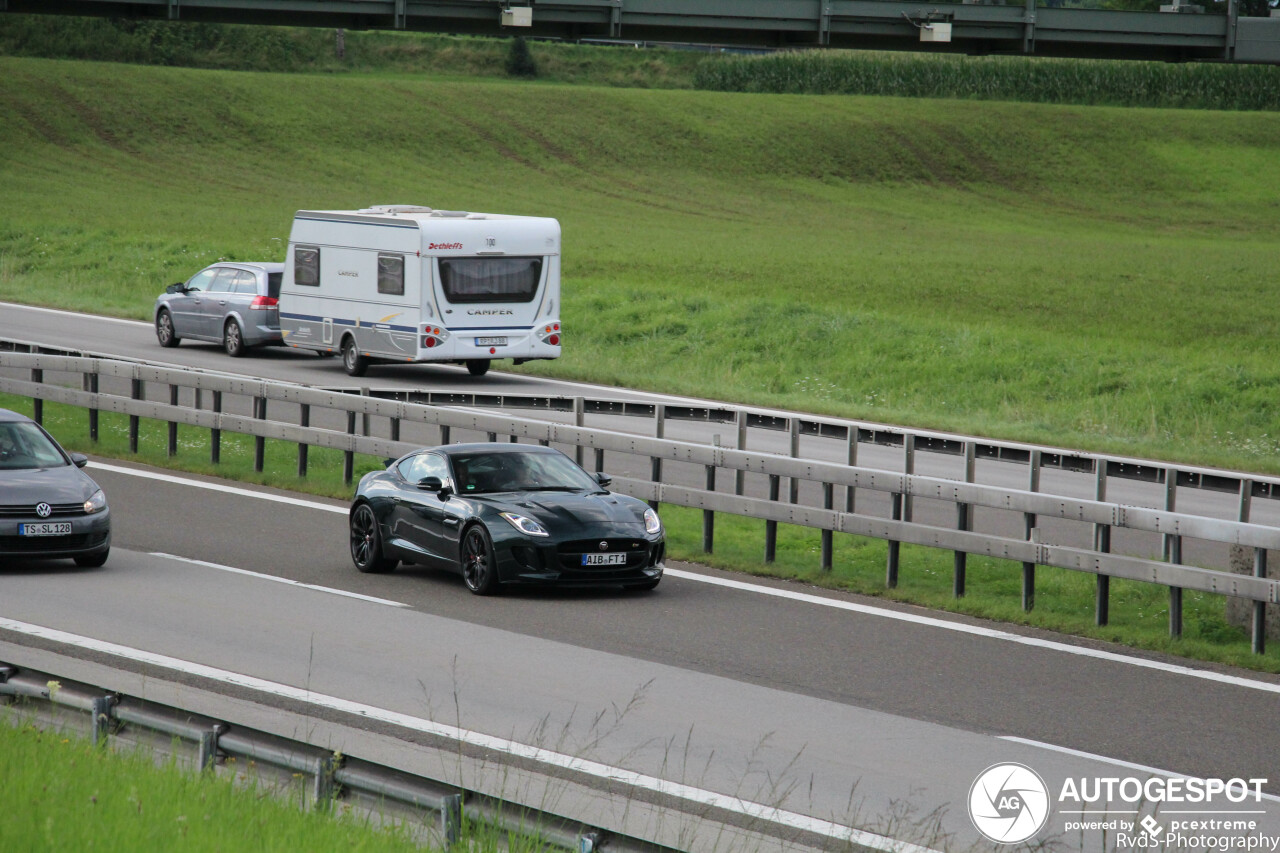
{"x": 1170, "y": 504}
{"x": 325, "y": 787}
{"x": 102, "y": 706}
{"x": 215, "y": 434}
{"x": 259, "y": 441}
{"x": 451, "y": 819}
{"x": 793, "y": 487}
{"x": 708, "y": 516}
{"x": 851, "y": 459}
{"x": 740, "y": 476}
{"x": 655, "y": 462}
{"x": 208, "y": 753}
{"x": 1259, "y": 607}
{"x": 1102, "y": 544}
{"x": 349, "y": 456}
{"x": 1029, "y": 525}
{"x": 304, "y": 421}
{"x": 599, "y": 459}
{"x": 37, "y": 404}
{"x": 579, "y": 420}
{"x": 891, "y": 569}
{"x": 173, "y": 425}
{"x": 770, "y": 526}
{"x": 444, "y": 433}
{"x": 395, "y": 429}
{"x": 93, "y": 410}
{"x": 828, "y": 502}
{"x": 136, "y": 391}
{"x": 963, "y": 522}
{"x": 908, "y": 468}
{"x": 1173, "y": 553}
{"x": 364, "y": 416}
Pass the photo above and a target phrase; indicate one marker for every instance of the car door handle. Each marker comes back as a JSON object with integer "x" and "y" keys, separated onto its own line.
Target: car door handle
{"x": 451, "y": 520}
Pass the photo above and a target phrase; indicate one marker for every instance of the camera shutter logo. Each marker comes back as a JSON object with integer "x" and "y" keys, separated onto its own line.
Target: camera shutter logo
{"x": 1008, "y": 803}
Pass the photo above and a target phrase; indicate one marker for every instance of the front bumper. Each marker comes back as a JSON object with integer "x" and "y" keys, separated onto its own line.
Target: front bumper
{"x": 527, "y": 561}
{"x": 90, "y": 534}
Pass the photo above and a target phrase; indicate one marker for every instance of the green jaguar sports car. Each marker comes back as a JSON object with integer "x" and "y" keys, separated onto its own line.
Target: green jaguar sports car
{"x": 504, "y": 514}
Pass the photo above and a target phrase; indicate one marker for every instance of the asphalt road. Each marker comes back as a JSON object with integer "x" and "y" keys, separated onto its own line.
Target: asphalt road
{"x": 761, "y": 696}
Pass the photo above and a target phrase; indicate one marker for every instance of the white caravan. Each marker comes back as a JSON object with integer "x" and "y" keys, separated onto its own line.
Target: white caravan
{"x": 401, "y": 283}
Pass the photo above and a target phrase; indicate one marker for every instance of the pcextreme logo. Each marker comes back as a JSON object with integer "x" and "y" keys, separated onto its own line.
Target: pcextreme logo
{"x": 1008, "y": 803}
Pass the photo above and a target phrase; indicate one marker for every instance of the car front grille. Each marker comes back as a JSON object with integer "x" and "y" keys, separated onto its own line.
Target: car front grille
{"x": 640, "y": 553}
{"x": 37, "y": 544}
{"x": 28, "y": 510}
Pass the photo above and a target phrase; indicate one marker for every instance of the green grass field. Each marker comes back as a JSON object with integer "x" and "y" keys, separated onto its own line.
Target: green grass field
{"x": 1098, "y": 278}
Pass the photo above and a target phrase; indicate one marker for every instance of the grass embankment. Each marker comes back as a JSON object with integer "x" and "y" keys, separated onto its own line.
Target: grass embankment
{"x": 1139, "y": 612}
{"x": 63, "y": 793}
{"x": 1090, "y": 277}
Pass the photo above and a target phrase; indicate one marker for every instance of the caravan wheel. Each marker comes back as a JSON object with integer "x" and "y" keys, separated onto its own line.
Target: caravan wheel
{"x": 352, "y": 361}
{"x": 478, "y": 366}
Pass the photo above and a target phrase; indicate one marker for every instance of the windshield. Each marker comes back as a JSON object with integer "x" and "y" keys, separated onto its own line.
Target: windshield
{"x": 480, "y": 473}
{"x": 24, "y": 445}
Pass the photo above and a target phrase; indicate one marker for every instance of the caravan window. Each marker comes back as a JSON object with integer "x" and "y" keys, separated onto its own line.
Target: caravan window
{"x": 490, "y": 279}
{"x": 391, "y": 274}
{"x": 306, "y": 265}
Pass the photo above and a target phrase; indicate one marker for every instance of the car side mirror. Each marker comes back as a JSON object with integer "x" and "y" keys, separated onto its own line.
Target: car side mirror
{"x": 176, "y": 287}
{"x": 79, "y": 460}
{"x": 435, "y": 484}
{"x": 603, "y": 479}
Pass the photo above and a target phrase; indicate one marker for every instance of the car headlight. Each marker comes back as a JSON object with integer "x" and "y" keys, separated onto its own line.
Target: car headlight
{"x": 651, "y": 522}
{"x": 97, "y": 502}
{"x": 525, "y": 525}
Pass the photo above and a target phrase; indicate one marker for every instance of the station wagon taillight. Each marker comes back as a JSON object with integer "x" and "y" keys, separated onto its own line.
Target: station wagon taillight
{"x": 264, "y": 302}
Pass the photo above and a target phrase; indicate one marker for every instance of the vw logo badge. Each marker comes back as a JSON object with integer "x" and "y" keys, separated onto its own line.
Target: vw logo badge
{"x": 44, "y": 510}
{"x": 604, "y": 546}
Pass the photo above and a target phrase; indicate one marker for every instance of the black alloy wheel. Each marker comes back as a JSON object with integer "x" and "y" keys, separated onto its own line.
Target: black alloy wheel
{"x": 233, "y": 339}
{"x": 164, "y": 329}
{"x": 352, "y": 361}
{"x": 479, "y": 568}
{"x": 366, "y": 543}
{"x": 478, "y": 366}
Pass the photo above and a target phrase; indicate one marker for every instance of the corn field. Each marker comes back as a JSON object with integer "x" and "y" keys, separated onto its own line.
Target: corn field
{"x": 1056, "y": 81}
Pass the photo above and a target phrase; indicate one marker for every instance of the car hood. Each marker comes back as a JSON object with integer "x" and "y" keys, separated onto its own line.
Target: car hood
{"x": 557, "y": 508}
{"x": 62, "y": 485}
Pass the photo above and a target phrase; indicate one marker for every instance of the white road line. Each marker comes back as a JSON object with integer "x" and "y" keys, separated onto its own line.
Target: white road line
{"x": 1128, "y": 765}
{"x": 516, "y": 749}
{"x": 806, "y": 598}
{"x": 95, "y": 317}
{"x": 276, "y": 579}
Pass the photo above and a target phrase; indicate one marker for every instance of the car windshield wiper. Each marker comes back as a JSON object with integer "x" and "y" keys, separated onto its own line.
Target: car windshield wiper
{"x": 556, "y": 488}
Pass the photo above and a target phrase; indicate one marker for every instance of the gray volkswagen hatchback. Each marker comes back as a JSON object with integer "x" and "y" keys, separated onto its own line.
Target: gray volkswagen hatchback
{"x": 49, "y": 508}
{"x": 234, "y": 304}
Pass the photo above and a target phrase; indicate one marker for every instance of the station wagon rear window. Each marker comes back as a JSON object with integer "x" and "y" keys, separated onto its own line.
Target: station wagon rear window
{"x": 490, "y": 279}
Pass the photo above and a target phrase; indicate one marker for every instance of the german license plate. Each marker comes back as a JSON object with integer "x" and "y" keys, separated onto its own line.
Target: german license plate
{"x": 491, "y": 342}
{"x": 59, "y": 528}
{"x": 604, "y": 559}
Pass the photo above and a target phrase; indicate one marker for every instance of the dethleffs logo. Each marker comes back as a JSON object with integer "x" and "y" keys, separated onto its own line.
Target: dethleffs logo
{"x": 444, "y": 246}
{"x": 1008, "y": 803}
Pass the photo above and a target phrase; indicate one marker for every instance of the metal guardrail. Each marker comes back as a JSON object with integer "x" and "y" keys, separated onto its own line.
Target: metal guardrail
{"x": 329, "y": 776}
{"x": 975, "y": 27}
{"x": 901, "y": 487}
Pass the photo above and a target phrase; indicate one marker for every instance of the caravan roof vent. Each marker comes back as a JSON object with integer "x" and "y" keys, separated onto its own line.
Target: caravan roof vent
{"x": 452, "y": 214}
{"x": 393, "y": 209}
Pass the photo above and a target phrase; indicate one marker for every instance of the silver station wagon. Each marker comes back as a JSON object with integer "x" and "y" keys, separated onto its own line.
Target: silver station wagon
{"x": 234, "y": 304}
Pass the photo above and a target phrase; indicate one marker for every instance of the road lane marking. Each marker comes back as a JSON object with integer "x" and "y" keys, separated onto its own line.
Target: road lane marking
{"x": 700, "y": 796}
{"x": 1128, "y": 765}
{"x": 277, "y": 579}
{"x": 94, "y": 317}
{"x": 803, "y": 597}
